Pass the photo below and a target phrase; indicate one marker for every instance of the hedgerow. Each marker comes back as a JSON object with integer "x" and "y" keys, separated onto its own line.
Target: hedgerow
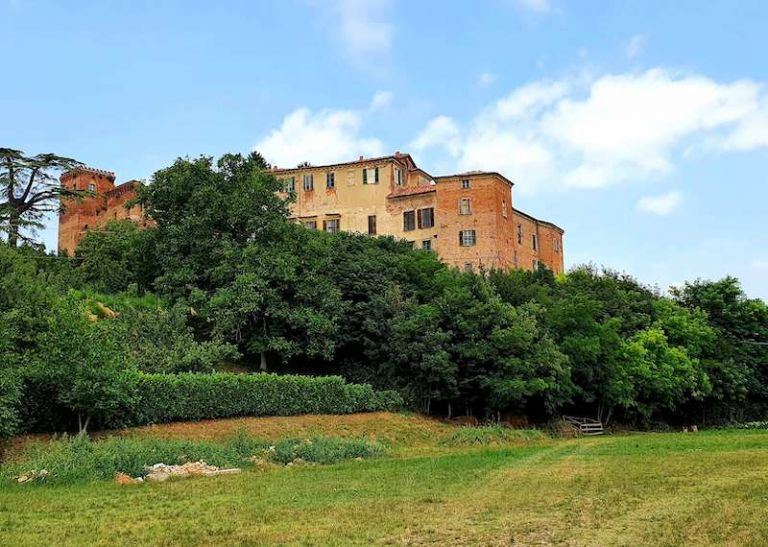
{"x": 193, "y": 396}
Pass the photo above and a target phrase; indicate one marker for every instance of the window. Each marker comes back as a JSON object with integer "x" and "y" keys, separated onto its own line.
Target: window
{"x": 426, "y": 245}
{"x": 557, "y": 245}
{"x": 289, "y": 185}
{"x": 468, "y": 267}
{"x": 467, "y": 238}
{"x": 92, "y": 188}
{"x": 371, "y": 175}
{"x": 398, "y": 177}
{"x": 504, "y": 208}
{"x": 535, "y": 242}
{"x": 426, "y": 217}
{"x": 311, "y": 224}
{"x": 309, "y": 183}
{"x": 465, "y": 206}
{"x": 372, "y": 225}
{"x": 331, "y": 226}
{"x": 465, "y": 183}
{"x": 519, "y": 234}
{"x": 409, "y": 221}
{"x": 330, "y": 180}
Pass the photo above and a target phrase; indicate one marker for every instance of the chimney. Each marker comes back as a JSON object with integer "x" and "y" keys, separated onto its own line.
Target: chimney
{"x": 360, "y": 159}
{"x": 397, "y": 154}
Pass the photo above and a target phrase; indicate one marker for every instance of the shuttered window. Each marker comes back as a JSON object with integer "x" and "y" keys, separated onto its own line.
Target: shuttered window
{"x": 371, "y": 175}
{"x": 409, "y": 221}
{"x": 426, "y": 217}
{"x": 331, "y": 226}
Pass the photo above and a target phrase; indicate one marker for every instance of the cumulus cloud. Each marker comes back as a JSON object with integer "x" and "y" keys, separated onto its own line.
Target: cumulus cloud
{"x": 486, "y": 79}
{"x": 590, "y": 132}
{"x": 327, "y": 136}
{"x": 660, "y": 205}
{"x": 366, "y": 30}
{"x": 380, "y": 100}
{"x": 635, "y": 46}
{"x": 440, "y": 131}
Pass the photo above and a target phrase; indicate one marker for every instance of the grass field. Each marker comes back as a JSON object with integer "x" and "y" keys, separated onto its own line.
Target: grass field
{"x": 439, "y": 486}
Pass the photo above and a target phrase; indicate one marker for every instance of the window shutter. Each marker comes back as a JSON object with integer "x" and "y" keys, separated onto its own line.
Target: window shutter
{"x": 460, "y": 238}
{"x": 365, "y": 176}
{"x": 376, "y": 174}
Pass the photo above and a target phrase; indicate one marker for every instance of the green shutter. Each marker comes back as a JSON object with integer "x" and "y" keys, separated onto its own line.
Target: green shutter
{"x": 376, "y": 174}
{"x": 365, "y": 176}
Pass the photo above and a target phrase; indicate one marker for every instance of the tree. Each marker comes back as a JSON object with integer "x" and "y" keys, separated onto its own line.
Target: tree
{"x": 737, "y": 359}
{"x": 117, "y": 256}
{"x": 206, "y": 214}
{"x": 29, "y": 189}
{"x": 85, "y": 361}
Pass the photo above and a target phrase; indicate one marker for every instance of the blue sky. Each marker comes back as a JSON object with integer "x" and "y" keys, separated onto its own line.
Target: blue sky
{"x": 639, "y": 127}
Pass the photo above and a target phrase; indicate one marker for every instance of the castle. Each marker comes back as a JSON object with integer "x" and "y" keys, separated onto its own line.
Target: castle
{"x": 467, "y": 218}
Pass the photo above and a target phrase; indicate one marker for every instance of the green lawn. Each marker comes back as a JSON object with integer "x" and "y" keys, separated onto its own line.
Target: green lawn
{"x": 645, "y": 489}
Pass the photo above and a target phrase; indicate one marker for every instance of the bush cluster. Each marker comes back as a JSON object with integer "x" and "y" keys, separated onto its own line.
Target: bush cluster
{"x": 77, "y": 459}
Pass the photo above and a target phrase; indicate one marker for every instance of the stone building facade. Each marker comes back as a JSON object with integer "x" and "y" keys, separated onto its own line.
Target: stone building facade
{"x": 468, "y": 219}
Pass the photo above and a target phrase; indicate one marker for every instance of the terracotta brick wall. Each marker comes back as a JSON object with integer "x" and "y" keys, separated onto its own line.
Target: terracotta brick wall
{"x": 486, "y": 193}
{"x": 107, "y": 203}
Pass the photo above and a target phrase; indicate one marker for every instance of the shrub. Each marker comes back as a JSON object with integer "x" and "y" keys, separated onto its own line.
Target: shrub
{"x": 77, "y": 459}
{"x": 10, "y": 403}
{"x": 191, "y": 396}
{"x": 323, "y": 450}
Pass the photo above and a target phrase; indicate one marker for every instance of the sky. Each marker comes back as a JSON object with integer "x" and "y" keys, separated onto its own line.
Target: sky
{"x": 640, "y": 127}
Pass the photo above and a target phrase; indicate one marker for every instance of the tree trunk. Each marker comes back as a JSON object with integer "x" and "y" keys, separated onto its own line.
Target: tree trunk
{"x": 82, "y": 427}
{"x": 13, "y": 229}
{"x": 263, "y": 365}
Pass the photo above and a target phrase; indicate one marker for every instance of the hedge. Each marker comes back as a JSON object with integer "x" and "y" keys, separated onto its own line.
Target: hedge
{"x": 10, "y": 403}
{"x": 196, "y": 396}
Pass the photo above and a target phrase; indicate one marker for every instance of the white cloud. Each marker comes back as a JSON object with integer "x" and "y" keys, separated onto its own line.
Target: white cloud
{"x": 439, "y": 132}
{"x": 486, "y": 79}
{"x": 380, "y": 100}
{"x": 366, "y": 30}
{"x": 536, "y": 6}
{"x": 592, "y": 131}
{"x": 660, "y": 205}
{"x": 635, "y": 46}
{"x": 327, "y": 136}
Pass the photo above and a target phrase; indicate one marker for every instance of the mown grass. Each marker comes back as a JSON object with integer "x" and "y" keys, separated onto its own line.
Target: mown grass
{"x": 708, "y": 488}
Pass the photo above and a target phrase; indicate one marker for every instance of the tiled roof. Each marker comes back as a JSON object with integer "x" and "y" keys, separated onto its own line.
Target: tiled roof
{"x": 402, "y": 157}
{"x": 519, "y": 212}
{"x": 412, "y": 191}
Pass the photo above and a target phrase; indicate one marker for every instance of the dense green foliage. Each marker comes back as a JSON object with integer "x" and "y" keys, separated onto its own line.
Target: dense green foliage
{"x": 224, "y": 280}
{"x": 79, "y": 459}
{"x": 190, "y": 396}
